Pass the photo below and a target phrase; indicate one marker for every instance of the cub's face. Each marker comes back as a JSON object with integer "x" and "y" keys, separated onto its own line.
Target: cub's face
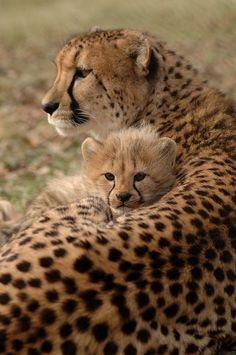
{"x": 130, "y": 168}
{"x": 103, "y": 82}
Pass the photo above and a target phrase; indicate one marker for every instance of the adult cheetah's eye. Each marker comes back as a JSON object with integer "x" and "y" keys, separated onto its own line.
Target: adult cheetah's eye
{"x": 109, "y": 176}
{"x": 139, "y": 176}
{"x": 82, "y": 73}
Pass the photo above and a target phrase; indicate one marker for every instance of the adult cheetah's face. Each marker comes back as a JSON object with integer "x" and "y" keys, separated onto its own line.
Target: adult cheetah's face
{"x": 103, "y": 82}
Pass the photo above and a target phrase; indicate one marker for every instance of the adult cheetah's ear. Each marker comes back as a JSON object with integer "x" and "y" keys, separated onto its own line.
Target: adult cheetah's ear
{"x": 89, "y": 148}
{"x": 145, "y": 57}
{"x": 95, "y": 29}
{"x": 167, "y": 151}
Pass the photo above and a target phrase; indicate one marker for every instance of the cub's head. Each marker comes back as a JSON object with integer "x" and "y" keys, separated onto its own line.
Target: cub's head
{"x": 130, "y": 168}
{"x": 104, "y": 80}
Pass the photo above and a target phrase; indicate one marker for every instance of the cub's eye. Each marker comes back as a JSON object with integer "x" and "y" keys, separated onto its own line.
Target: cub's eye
{"x": 109, "y": 176}
{"x": 139, "y": 176}
{"x": 81, "y": 73}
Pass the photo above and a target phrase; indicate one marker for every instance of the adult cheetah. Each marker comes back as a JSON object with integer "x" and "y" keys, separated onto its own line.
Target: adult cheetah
{"x": 162, "y": 279}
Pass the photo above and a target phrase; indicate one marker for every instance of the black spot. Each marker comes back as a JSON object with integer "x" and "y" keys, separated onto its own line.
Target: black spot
{"x": 164, "y": 330}
{"x": 164, "y": 242}
{"x": 221, "y": 322}
{"x": 15, "y": 311}
{"x": 130, "y": 350}
{"x": 154, "y": 325}
{"x": 82, "y": 264}
{"x": 231, "y": 275}
{"x": 191, "y": 297}
{"x": 23, "y": 266}
{"x": 24, "y": 323}
{"x": 17, "y": 344}
{"x": 199, "y": 308}
{"x": 48, "y": 316}
{"x": 129, "y": 327}
{"x": 92, "y": 302}
{"x": 70, "y": 285}
{"x": 82, "y": 324}
{"x": 229, "y": 289}
{"x": 69, "y": 348}
{"x": 219, "y": 274}
{"x": 52, "y": 295}
{"x": 192, "y": 348}
{"x": 114, "y": 254}
{"x": 226, "y": 256}
{"x": 142, "y": 299}
{"x": 33, "y": 306}
{"x": 5, "y": 278}
{"x": 19, "y": 283}
{"x": 46, "y": 346}
{"x": 171, "y": 311}
{"x": 100, "y": 332}
{"x": 123, "y": 235}
{"x": 182, "y": 319}
{"x": 196, "y": 273}
{"x": 162, "y": 349}
{"x": 156, "y": 287}
{"x": 34, "y": 282}
{"x": 161, "y": 302}
{"x": 160, "y": 226}
{"x": 4, "y": 298}
{"x": 69, "y": 306}
{"x": 110, "y": 348}
{"x": 149, "y": 314}
{"x": 120, "y": 302}
{"x": 210, "y": 254}
{"x": 141, "y": 250}
{"x": 33, "y": 351}
{"x": 60, "y": 252}
{"x": 46, "y": 261}
{"x": 176, "y": 289}
{"x": 53, "y": 275}
{"x": 143, "y": 335}
{"x": 173, "y": 274}
{"x": 65, "y": 330}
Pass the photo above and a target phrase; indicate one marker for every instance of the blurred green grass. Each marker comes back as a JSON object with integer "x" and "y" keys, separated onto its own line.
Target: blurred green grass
{"x": 31, "y": 34}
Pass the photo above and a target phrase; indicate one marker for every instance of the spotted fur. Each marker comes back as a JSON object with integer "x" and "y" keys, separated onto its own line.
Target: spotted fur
{"x": 162, "y": 279}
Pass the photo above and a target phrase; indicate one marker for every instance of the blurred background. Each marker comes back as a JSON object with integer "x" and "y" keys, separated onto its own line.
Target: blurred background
{"x": 31, "y": 33}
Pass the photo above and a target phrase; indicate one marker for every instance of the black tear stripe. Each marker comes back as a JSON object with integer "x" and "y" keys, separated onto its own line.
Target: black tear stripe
{"x": 78, "y": 115}
{"x": 153, "y": 66}
{"x": 108, "y": 196}
{"x": 139, "y": 193}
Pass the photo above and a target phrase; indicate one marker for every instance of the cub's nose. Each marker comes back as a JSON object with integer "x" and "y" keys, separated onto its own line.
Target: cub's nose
{"x": 123, "y": 196}
{"x": 50, "y": 107}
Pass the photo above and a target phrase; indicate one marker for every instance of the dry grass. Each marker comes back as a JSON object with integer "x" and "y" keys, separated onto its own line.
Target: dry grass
{"x": 31, "y": 34}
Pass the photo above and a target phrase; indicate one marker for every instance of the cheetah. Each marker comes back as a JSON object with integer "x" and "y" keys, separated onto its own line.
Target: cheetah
{"x": 161, "y": 280}
{"x": 129, "y": 169}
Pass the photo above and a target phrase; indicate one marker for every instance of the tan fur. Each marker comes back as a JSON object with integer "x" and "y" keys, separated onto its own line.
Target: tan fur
{"x": 162, "y": 278}
{"x": 123, "y": 153}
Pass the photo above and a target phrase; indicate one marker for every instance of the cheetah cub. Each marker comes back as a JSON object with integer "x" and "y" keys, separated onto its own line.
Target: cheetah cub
{"x": 131, "y": 168}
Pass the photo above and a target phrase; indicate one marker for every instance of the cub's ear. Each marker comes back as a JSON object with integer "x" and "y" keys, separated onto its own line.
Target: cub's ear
{"x": 145, "y": 57}
{"x": 167, "y": 151}
{"x": 89, "y": 148}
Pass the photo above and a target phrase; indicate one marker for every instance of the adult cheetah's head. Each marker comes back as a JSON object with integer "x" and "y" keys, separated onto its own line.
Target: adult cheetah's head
{"x": 104, "y": 80}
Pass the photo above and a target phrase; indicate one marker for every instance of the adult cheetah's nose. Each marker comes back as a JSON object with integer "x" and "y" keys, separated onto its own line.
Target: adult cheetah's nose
{"x": 123, "y": 196}
{"x": 50, "y": 107}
